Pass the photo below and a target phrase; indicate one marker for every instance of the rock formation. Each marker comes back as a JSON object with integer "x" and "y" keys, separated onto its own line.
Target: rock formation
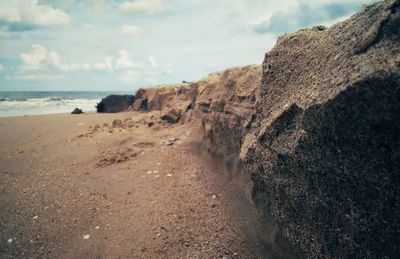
{"x": 318, "y": 129}
{"x": 174, "y": 101}
{"x": 115, "y": 103}
{"x": 320, "y": 135}
{"x": 77, "y": 111}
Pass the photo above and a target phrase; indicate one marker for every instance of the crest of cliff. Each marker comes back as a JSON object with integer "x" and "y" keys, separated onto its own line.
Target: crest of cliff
{"x": 317, "y": 127}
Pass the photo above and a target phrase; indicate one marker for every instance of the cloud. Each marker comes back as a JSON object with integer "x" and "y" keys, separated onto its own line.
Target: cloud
{"x": 306, "y": 14}
{"x": 120, "y": 62}
{"x": 130, "y": 30}
{"x": 35, "y": 59}
{"x": 142, "y": 6}
{"x": 29, "y": 14}
{"x": 153, "y": 62}
{"x": 1, "y": 67}
{"x": 39, "y": 58}
{"x": 124, "y": 61}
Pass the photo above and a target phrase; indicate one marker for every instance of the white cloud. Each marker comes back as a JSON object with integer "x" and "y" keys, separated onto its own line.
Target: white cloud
{"x": 1, "y": 67}
{"x": 153, "y": 62}
{"x": 32, "y": 12}
{"x": 124, "y": 61}
{"x": 130, "y": 30}
{"x": 142, "y": 6}
{"x": 35, "y": 59}
{"x": 39, "y": 58}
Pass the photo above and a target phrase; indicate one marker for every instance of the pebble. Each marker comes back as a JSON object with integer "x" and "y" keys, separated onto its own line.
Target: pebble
{"x": 86, "y": 236}
{"x": 97, "y": 227}
{"x": 169, "y": 175}
{"x": 214, "y": 196}
{"x": 158, "y": 234}
{"x": 36, "y": 217}
{"x": 149, "y": 172}
{"x": 9, "y": 241}
{"x": 154, "y": 172}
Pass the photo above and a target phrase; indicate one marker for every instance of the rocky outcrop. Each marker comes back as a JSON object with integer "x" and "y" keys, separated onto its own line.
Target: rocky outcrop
{"x": 226, "y": 102}
{"x": 320, "y": 134}
{"x": 174, "y": 101}
{"x": 172, "y": 116}
{"x": 77, "y": 111}
{"x": 115, "y": 103}
{"x": 164, "y": 97}
{"x": 317, "y": 127}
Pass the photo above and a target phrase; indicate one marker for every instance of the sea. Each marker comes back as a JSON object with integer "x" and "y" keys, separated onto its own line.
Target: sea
{"x": 35, "y": 103}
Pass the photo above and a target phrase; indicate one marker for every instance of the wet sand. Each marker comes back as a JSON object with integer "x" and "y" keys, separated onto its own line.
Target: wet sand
{"x": 110, "y": 186}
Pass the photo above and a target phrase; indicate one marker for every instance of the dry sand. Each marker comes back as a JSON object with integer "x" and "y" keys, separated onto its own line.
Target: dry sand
{"x": 71, "y": 189}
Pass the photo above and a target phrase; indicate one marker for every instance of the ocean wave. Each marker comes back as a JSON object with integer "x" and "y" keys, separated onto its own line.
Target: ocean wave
{"x": 29, "y": 103}
{"x": 13, "y": 107}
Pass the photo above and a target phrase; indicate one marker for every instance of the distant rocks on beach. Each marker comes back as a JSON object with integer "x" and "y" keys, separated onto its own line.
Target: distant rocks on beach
{"x": 115, "y": 103}
{"x": 77, "y": 111}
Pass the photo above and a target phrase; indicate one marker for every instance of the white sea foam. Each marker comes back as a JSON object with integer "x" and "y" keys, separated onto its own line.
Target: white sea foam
{"x": 34, "y": 103}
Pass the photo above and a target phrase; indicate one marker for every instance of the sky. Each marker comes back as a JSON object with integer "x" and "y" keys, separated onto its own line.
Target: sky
{"x": 121, "y": 45}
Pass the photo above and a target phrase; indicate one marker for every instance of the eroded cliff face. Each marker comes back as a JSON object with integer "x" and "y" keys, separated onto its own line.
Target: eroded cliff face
{"x": 226, "y": 102}
{"x": 318, "y": 129}
{"x": 320, "y": 135}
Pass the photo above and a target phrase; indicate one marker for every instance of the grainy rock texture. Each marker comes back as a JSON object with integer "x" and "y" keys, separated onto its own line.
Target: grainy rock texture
{"x": 115, "y": 103}
{"x": 174, "y": 101}
{"x": 164, "y": 97}
{"x": 225, "y": 101}
{"x": 320, "y": 135}
{"x": 172, "y": 116}
{"x": 317, "y": 127}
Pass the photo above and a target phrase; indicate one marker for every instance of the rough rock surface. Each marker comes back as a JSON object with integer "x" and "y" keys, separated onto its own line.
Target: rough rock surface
{"x": 166, "y": 97}
{"x": 226, "y": 102}
{"x": 115, "y": 103}
{"x": 172, "y": 116}
{"x": 320, "y": 135}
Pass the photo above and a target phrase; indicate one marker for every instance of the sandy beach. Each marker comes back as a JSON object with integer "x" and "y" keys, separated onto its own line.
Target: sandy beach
{"x": 111, "y": 186}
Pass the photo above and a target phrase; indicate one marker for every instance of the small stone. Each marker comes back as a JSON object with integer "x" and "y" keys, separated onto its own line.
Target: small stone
{"x": 169, "y": 175}
{"x": 86, "y": 236}
{"x": 149, "y": 172}
{"x": 154, "y": 172}
{"x": 35, "y": 217}
{"x": 9, "y": 241}
{"x": 158, "y": 234}
{"x": 214, "y": 196}
{"x": 97, "y": 227}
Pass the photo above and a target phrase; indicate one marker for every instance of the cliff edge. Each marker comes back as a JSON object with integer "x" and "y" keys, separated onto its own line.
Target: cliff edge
{"x": 320, "y": 135}
{"x": 317, "y": 127}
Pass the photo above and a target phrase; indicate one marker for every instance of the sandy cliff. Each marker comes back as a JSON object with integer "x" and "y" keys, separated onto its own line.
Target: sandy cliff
{"x": 320, "y": 134}
{"x": 317, "y": 128}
